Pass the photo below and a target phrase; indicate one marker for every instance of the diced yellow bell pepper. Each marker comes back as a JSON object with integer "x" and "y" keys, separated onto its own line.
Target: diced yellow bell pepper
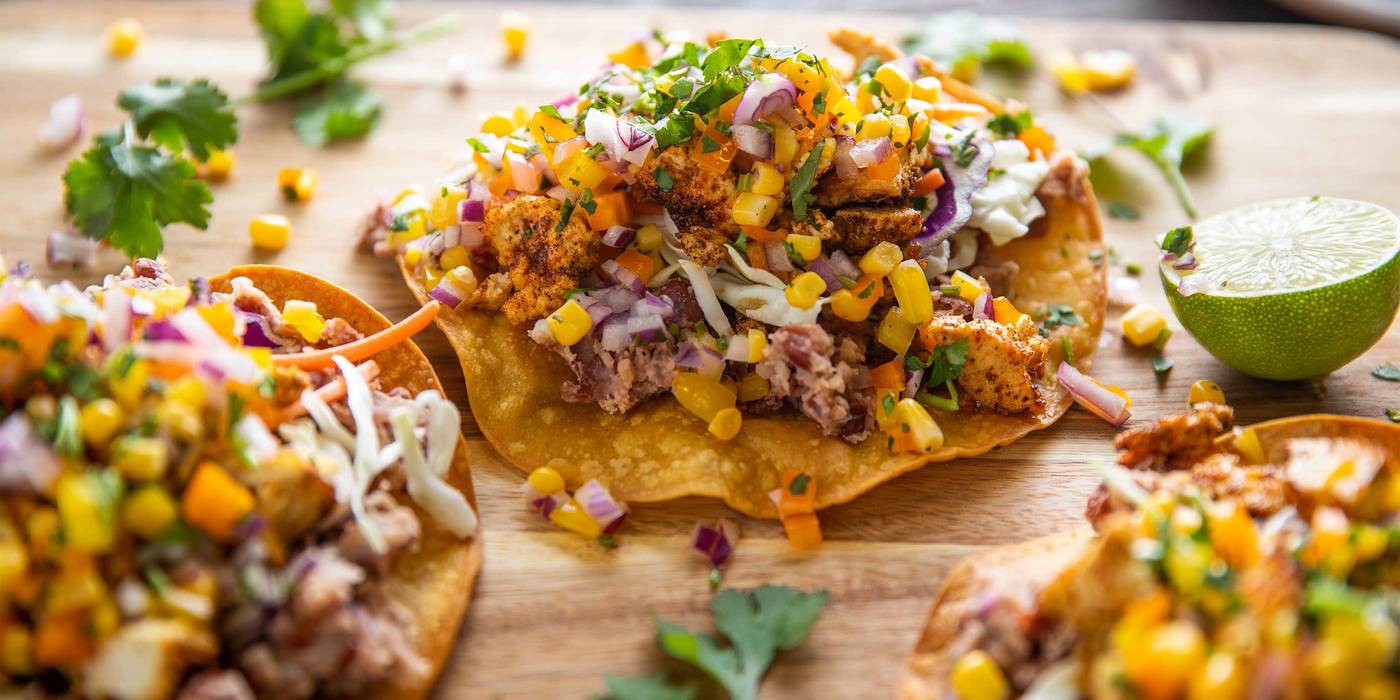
{"x": 1234, "y": 535}
{"x": 303, "y": 316}
{"x": 914, "y": 429}
{"x": 895, "y": 332}
{"x": 270, "y": 231}
{"x": 570, "y": 323}
{"x": 752, "y": 209}
{"x": 1005, "y": 312}
{"x": 580, "y": 172}
{"x": 1162, "y": 665}
{"x": 214, "y": 502}
{"x": 634, "y": 56}
{"x": 912, "y": 291}
{"x": 100, "y": 420}
{"x": 549, "y": 131}
{"x": 1248, "y": 445}
{"x": 873, "y": 126}
{"x": 968, "y": 286}
{"x": 765, "y": 179}
{"x": 704, "y": 396}
{"x": 444, "y": 210}
{"x": 454, "y": 257}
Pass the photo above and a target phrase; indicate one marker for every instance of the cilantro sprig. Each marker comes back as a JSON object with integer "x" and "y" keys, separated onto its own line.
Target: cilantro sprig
{"x": 1169, "y": 141}
{"x": 757, "y": 623}
{"x": 135, "y": 180}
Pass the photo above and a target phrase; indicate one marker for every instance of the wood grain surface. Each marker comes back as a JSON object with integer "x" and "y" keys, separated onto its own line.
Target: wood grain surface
{"x": 1300, "y": 110}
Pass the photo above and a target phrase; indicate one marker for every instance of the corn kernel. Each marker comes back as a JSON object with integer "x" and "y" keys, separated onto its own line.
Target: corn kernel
{"x": 976, "y": 676}
{"x": 726, "y": 424}
{"x": 572, "y": 517}
{"x": 895, "y": 82}
{"x": 913, "y": 420}
{"x": 753, "y": 387}
{"x": 809, "y": 247}
{"x": 1248, "y": 445}
{"x": 1205, "y": 390}
{"x": 149, "y": 511}
{"x": 912, "y": 291}
{"x": 270, "y": 231}
{"x": 1142, "y": 324}
{"x": 899, "y": 131}
{"x": 140, "y": 458}
{"x": 1371, "y": 543}
{"x": 765, "y": 179}
{"x": 968, "y": 286}
{"x": 100, "y": 420}
{"x": 297, "y": 184}
{"x": 805, "y": 289}
{"x": 758, "y": 344}
{"x": 847, "y": 306}
{"x": 845, "y": 113}
{"x": 546, "y": 480}
{"x": 1108, "y": 70}
{"x": 498, "y": 124}
{"x": 188, "y": 391}
{"x": 874, "y": 126}
{"x": 927, "y": 88}
{"x": 454, "y": 257}
{"x": 1069, "y": 73}
{"x": 784, "y": 143}
{"x": 704, "y": 396}
{"x": 42, "y": 529}
{"x": 895, "y": 333}
{"x": 752, "y": 209}
{"x": 219, "y": 166}
{"x": 648, "y": 238}
{"x": 462, "y": 278}
{"x": 16, "y": 650}
{"x": 123, "y": 36}
{"x": 570, "y": 323}
{"x": 83, "y": 510}
{"x": 881, "y": 259}
{"x": 515, "y": 33}
{"x": 444, "y": 210}
{"x": 303, "y": 316}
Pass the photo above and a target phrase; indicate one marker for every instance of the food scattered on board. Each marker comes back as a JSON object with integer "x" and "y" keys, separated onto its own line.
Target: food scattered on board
{"x": 1098, "y": 71}
{"x": 1221, "y": 564}
{"x": 186, "y": 509}
{"x": 1169, "y": 141}
{"x": 65, "y": 124}
{"x": 886, "y": 253}
{"x": 123, "y": 37}
{"x": 590, "y": 511}
{"x": 515, "y": 33}
{"x": 1286, "y": 289}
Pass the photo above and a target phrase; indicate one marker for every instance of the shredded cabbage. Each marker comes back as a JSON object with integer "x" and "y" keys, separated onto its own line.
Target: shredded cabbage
{"x": 763, "y": 303}
{"x": 742, "y": 268}
{"x": 325, "y": 420}
{"x": 705, "y": 295}
{"x": 445, "y": 504}
{"x": 366, "y": 455}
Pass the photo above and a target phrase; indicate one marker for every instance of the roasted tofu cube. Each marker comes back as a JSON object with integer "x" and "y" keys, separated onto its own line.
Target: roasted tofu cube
{"x": 543, "y": 255}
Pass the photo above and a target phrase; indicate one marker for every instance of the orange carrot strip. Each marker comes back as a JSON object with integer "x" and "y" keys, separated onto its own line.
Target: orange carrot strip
{"x": 364, "y": 347}
{"x": 330, "y": 392}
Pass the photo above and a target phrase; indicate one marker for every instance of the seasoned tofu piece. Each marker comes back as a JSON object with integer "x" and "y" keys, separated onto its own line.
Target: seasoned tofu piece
{"x": 697, "y": 196}
{"x": 146, "y": 660}
{"x": 705, "y": 245}
{"x": 1003, "y": 361}
{"x": 1178, "y": 442}
{"x": 859, "y": 229}
{"x": 835, "y": 191}
{"x": 542, "y": 260}
{"x": 292, "y": 496}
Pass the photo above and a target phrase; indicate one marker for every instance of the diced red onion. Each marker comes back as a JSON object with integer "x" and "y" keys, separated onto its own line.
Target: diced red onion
{"x": 545, "y": 504}
{"x": 599, "y": 312}
{"x": 448, "y": 292}
{"x": 65, "y": 123}
{"x": 737, "y": 350}
{"x": 1186, "y": 262}
{"x": 652, "y": 304}
{"x": 701, "y": 358}
{"x": 715, "y": 542}
{"x": 982, "y": 306}
{"x": 618, "y": 236}
{"x": 1193, "y": 284}
{"x": 469, "y": 235}
{"x": 843, "y": 264}
{"x": 27, "y": 466}
{"x": 612, "y": 271}
{"x": 615, "y": 336}
{"x": 116, "y": 319}
{"x": 845, "y": 167}
{"x": 1092, "y": 395}
{"x": 870, "y": 151}
{"x": 825, "y": 270}
{"x": 523, "y": 173}
{"x": 256, "y": 332}
{"x": 622, "y": 140}
{"x": 617, "y": 297}
{"x": 777, "y": 256}
{"x": 163, "y": 331}
{"x": 646, "y": 327}
{"x": 565, "y": 101}
{"x": 753, "y": 141}
{"x": 599, "y": 504}
{"x": 71, "y": 249}
{"x": 767, "y": 94}
{"x": 911, "y": 385}
{"x": 558, "y": 192}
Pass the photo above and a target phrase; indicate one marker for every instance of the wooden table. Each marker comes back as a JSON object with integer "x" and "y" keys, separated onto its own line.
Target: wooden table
{"x": 1301, "y": 110}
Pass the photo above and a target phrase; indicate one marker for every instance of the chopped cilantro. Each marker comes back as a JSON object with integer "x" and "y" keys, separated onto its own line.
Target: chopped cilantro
{"x": 1067, "y": 348}
{"x": 594, "y": 150}
{"x": 948, "y": 403}
{"x": 1178, "y": 240}
{"x": 873, "y": 87}
{"x": 1169, "y": 141}
{"x": 714, "y": 94}
{"x": 1162, "y": 337}
{"x": 677, "y": 128}
{"x": 1010, "y": 125}
{"x": 726, "y": 54}
{"x": 1388, "y": 372}
{"x": 946, "y": 362}
{"x": 847, "y": 282}
{"x": 801, "y": 184}
{"x": 964, "y": 152}
{"x": 345, "y": 111}
{"x": 586, "y": 201}
{"x": 654, "y": 687}
{"x": 799, "y": 484}
{"x": 1061, "y": 315}
{"x": 664, "y": 182}
{"x": 552, "y": 111}
{"x": 819, "y": 105}
{"x": 477, "y": 145}
{"x": 1393, "y": 415}
{"x": 867, "y": 291}
{"x": 1119, "y": 210}
{"x": 1161, "y": 364}
{"x": 741, "y": 244}
{"x": 887, "y": 403}
{"x": 682, "y": 88}
{"x": 1096, "y": 257}
{"x": 708, "y": 145}
{"x": 564, "y": 213}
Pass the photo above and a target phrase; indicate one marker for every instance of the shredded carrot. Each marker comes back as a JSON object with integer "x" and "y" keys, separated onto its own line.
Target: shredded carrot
{"x": 364, "y": 347}
{"x": 758, "y": 233}
{"x": 928, "y": 183}
{"x": 330, "y": 393}
{"x": 889, "y": 375}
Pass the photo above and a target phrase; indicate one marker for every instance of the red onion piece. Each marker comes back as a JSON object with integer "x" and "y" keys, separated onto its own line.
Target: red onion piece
{"x": 614, "y": 336}
{"x": 71, "y": 249}
{"x": 447, "y": 292}
{"x": 116, "y": 319}
{"x": 843, "y": 264}
{"x": 27, "y": 466}
{"x": 825, "y": 270}
{"x": 982, "y": 307}
{"x": 645, "y": 327}
{"x": 164, "y": 331}
{"x": 256, "y": 332}
{"x": 715, "y": 542}
{"x": 870, "y": 151}
{"x": 753, "y": 141}
{"x": 652, "y": 304}
{"x": 469, "y": 235}
{"x": 1186, "y": 262}
{"x": 845, "y": 167}
{"x": 1193, "y": 284}
{"x": 614, "y": 272}
{"x": 777, "y": 256}
{"x": 599, "y": 504}
{"x": 1092, "y": 395}
{"x": 618, "y": 236}
{"x": 544, "y": 504}
{"x": 617, "y": 297}
{"x": 523, "y": 173}
{"x": 767, "y": 94}
{"x": 599, "y": 312}
{"x": 911, "y": 384}
{"x": 65, "y": 123}
{"x": 701, "y": 358}
{"x": 565, "y": 101}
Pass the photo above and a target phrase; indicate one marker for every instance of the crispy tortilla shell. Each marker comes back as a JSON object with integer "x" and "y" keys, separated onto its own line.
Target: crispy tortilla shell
{"x": 659, "y": 451}
{"x": 432, "y": 583}
{"x": 1037, "y": 563}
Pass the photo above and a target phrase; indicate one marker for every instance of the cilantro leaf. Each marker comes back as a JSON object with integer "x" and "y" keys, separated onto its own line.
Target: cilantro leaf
{"x": 1393, "y": 415}
{"x": 726, "y": 54}
{"x": 1010, "y": 125}
{"x": 1060, "y": 315}
{"x": 178, "y": 115}
{"x": 677, "y": 128}
{"x": 1178, "y": 240}
{"x": 1126, "y": 212}
{"x": 1388, "y": 372}
{"x": 1161, "y": 364}
{"x": 713, "y": 95}
{"x": 964, "y": 40}
{"x": 946, "y": 362}
{"x": 652, "y": 687}
{"x": 372, "y": 18}
{"x": 801, "y": 184}
{"x": 664, "y": 181}
{"x": 125, "y": 193}
{"x": 346, "y": 111}
{"x": 1169, "y": 141}
{"x": 758, "y": 624}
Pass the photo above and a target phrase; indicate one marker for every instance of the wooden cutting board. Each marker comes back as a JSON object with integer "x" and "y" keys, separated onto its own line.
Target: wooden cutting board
{"x": 1301, "y": 110}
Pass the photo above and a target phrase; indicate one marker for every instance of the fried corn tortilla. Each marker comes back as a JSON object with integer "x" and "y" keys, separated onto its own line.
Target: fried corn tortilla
{"x": 1031, "y": 568}
{"x": 434, "y": 581}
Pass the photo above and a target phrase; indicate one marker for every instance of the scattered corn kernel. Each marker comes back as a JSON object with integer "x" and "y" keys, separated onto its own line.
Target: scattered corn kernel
{"x": 899, "y": 131}
{"x": 83, "y": 508}
{"x": 752, "y": 209}
{"x": 912, "y": 292}
{"x": 297, "y": 184}
{"x": 968, "y": 286}
{"x": 758, "y": 344}
{"x": 1069, "y": 73}
{"x": 100, "y": 420}
{"x": 805, "y": 289}
{"x": 847, "y": 306}
{"x": 809, "y": 247}
{"x": 896, "y": 84}
{"x": 1108, "y": 70}
{"x": 270, "y": 231}
{"x": 462, "y": 278}
{"x": 895, "y": 333}
{"x": 303, "y": 316}
{"x": 704, "y": 396}
{"x": 976, "y": 676}
{"x": 881, "y": 259}
{"x": 149, "y": 511}
{"x": 570, "y": 323}
{"x": 123, "y": 36}
{"x": 571, "y": 516}
{"x": 726, "y": 423}
{"x": 1142, "y": 324}
{"x": 1205, "y": 390}
{"x": 515, "y": 33}
{"x": 188, "y": 391}
{"x": 648, "y": 238}
{"x": 219, "y": 166}
{"x": 546, "y": 480}
{"x": 765, "y": 179}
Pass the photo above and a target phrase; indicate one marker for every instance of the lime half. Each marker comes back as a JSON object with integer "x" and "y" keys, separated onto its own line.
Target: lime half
{"x": 1290, "y": 288}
